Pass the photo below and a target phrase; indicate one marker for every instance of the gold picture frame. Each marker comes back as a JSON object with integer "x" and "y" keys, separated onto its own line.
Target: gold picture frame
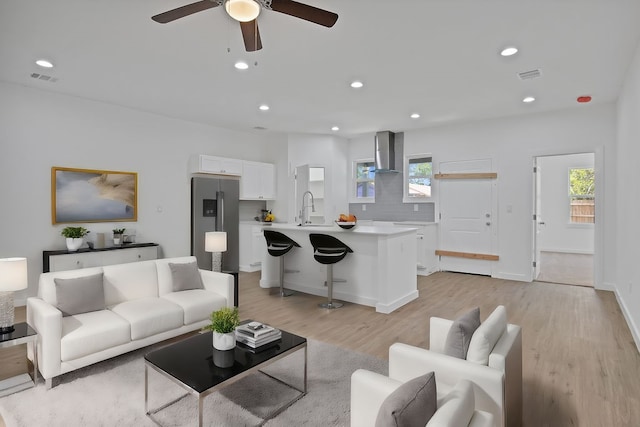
{"x": 88, "y": 195}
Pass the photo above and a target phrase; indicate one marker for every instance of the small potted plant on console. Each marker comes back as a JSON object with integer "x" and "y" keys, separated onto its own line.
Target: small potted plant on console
{"x": 118, "y": 236}
{"x": 75, "y": 237}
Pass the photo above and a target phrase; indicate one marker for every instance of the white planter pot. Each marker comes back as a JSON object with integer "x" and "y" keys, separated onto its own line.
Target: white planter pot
{"x": 224, "y": 341}
{"x": 117, "y": 240}
{"x": 74, "y": 243}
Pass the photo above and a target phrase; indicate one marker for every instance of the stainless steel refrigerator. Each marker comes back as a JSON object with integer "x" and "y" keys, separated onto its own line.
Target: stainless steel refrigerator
{"x": 214, "y": 207}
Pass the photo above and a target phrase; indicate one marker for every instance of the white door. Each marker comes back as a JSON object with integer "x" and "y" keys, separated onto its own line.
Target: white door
{"x": 467, "y": 221}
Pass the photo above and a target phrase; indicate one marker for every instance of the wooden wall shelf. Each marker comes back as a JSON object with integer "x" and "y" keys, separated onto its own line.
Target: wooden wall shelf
{"x": 469, "y": 255}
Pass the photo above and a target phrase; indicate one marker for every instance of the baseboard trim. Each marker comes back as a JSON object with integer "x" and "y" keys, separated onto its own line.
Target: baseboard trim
{"x": 511, "y": 276}
{"x": 605, "y": 286}
{"x": 388, "y": 308}
{"x": 635, "y": 332}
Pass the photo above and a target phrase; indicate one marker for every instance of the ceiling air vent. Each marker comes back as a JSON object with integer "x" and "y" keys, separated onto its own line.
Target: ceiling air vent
{"x": 528, "y": 75}
{"x": 44, "y": 77}
{"x": 260, "y": 128}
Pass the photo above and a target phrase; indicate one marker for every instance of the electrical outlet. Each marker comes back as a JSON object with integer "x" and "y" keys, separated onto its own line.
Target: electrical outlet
{"x": 415, "y": 207}
{"x": 364, "y": 207}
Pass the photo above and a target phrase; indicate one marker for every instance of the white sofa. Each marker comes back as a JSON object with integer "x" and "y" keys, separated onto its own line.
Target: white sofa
{"x": 497, "y": 385}
{"x": 140, "y": 308}
{"x": 455, "y": 407}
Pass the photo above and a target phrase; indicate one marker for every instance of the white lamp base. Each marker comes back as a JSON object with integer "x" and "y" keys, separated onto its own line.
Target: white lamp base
{"x": 6, "y": 312}
{"x": 216, "y": 261}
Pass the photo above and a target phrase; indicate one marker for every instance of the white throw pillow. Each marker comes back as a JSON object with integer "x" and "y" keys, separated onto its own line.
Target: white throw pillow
{"x": 456, "y": 408}
{"x": 486, "y": 336}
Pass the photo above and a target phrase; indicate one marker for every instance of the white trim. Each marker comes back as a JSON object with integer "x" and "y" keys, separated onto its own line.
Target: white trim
{"x": 635, "y": 331}
{"x": 388, "y": 308}
{"x": 405, "y": 177}
{"x": 512, "y": 276}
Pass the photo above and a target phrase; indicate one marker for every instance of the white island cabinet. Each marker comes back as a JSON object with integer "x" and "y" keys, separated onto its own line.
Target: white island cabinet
{"x": 380, "y": 273}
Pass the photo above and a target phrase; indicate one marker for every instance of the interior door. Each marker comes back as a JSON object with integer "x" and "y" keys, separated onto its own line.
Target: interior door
{"x": 467, "y": 222}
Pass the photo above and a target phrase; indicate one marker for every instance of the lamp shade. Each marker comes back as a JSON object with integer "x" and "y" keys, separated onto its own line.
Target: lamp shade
{"x": 215, "y": 241}
{"x": 242, "y": 10}
{"x": 13, "y": 274}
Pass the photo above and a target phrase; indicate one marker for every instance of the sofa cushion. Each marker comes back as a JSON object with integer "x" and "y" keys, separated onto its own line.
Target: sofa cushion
{"x": 487, "y": 335}
{"x": 80, "y": 294}
{"x": 165, "y": 279}
{"x": 411, "y": 404}
{"x": 197, "y": 304}
{"x": 149, "y": 316}
{"x": 47, "y": 285}
{"x": 125, "y": 282}
{"x": 185, "y": 276}
{"x": 88, "y": 333}
{"x": 459, "y": 336}
{"x": 456, "y": 408}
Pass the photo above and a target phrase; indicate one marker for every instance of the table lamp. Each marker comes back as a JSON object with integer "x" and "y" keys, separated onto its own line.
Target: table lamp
{"x": 13, "y": 277}
{"x": 216, "y": 243}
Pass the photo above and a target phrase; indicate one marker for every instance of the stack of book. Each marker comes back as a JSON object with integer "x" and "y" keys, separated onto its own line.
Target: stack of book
{"x": 256, "y": 334}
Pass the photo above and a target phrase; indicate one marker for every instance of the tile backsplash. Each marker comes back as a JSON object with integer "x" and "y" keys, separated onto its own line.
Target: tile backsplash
{"x": 388, "y": 205}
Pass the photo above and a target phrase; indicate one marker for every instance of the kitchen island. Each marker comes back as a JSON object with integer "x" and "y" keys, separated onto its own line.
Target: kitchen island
{"x": 380, "y": 273}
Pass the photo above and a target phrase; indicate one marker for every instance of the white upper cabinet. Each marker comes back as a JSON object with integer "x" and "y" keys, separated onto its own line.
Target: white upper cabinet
{"x": 203, "y": 163}
{"x": 258, "y": 181}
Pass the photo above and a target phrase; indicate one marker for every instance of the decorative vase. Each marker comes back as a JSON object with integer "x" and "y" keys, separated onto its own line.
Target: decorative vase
{"x": 74, "y": 243}
{"x": 224, "y": 341}
{"x": 117, "y": 238}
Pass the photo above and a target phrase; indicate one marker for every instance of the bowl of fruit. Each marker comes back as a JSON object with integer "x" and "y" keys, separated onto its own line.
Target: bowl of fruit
{"x": 346, "y": 221}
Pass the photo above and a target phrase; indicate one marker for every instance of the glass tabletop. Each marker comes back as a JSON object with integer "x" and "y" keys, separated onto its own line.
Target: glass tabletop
{"x": 21, "y": 330}
{"x": 191, "y": 361}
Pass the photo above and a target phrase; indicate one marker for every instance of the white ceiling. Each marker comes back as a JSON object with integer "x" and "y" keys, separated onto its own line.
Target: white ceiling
{"x": 436, "y": 57}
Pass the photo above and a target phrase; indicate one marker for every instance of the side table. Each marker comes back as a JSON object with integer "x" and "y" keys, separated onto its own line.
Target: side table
{"x": 23, "y": 334}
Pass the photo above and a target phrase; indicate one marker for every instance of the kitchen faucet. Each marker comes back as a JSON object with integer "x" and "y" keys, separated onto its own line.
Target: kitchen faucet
{"x": 303, "y": 210}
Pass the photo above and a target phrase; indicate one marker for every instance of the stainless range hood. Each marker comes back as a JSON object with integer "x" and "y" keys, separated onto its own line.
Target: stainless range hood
{"x": 385, "y": 152}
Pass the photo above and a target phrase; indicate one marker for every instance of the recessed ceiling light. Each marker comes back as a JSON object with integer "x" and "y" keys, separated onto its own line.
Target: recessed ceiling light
{"x": 44, "y": 63}
{"x": 241, "y": 65}
{"x": 264, "y": 107}
{"x": 357, "y": 84}
{"x": 509, "y": 51}
{"x": 335, "y": 128}
{"x": 528, "y": 99}
{"x": 415, "y": 116}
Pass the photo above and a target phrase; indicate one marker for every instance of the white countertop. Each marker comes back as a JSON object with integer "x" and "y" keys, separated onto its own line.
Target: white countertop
{"x": 358, "y": 229}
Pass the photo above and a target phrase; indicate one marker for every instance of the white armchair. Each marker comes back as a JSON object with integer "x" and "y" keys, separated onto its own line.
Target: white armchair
{"x": 454, "y": 408}
{"x": 497, "y": 386}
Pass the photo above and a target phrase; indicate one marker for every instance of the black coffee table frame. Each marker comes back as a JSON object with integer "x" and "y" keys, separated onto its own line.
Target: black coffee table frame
{"x": 290, "y": 344}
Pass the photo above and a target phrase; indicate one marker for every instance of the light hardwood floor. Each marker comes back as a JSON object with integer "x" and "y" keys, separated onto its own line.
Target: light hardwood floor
{"x": 580, "y": 364}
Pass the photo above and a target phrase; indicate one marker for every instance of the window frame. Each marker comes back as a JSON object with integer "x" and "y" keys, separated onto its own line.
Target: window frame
{"x": 405, "y": 181}
{"x": 354, "y": 182}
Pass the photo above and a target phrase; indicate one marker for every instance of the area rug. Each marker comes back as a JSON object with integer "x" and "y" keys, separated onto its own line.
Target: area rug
{"x": 111, "y": 393}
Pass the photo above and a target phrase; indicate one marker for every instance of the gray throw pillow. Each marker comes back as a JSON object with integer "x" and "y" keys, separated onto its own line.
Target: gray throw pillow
{"x": 459, "y": 336}
{"x": 411, "y": 404}
{"x": 185, "y": 276}
{"x": 80, "y": 294}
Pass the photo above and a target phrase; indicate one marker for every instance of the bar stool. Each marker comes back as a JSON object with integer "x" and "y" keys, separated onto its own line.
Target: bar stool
{"x": 278, "y": 245}
{"x": 328, "y": 250}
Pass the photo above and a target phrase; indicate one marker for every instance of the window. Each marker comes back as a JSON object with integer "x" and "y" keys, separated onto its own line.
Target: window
{"x": 365, "y": 185}
{"x": 418, "y": 173}
{"x": 582, "y": 196}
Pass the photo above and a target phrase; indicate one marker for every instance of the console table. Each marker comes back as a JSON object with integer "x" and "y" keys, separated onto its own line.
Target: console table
{"x": 83, "y": 258}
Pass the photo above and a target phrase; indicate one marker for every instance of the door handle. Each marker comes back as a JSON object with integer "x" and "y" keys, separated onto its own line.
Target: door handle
{"x": 488, "y": 223}
{"x": 541, "y": 223}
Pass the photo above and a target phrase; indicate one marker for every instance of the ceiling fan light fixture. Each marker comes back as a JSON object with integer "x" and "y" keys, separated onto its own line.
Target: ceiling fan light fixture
{"x": 242, "y": 10}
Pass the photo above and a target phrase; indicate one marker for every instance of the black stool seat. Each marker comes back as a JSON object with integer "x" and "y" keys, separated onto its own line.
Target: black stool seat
{"x": 278, "y": 245}
{"x": 328, "y": 250}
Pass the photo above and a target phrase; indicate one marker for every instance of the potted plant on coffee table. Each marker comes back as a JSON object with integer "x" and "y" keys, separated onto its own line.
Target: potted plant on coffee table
{"x": 223, "y": 324}
{"x": 75, "y": 237}
{"x": 118, "y": 236}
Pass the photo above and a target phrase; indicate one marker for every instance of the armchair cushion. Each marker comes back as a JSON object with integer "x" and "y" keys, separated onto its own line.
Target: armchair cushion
{"x": 80, "y": 294}
{"x": 456, "y": 408}
{"x": 185, "y": 276}
{"x": 459, "y": 336}
{"x": 411, "y": 404}
{"x": 487, "y": 335}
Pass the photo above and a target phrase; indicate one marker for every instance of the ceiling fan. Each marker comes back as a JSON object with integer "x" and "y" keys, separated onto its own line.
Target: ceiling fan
{"x": 246, "y": 12}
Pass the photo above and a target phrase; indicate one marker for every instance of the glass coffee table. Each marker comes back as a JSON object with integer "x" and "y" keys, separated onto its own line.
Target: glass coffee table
{"x": 190, "y": 364}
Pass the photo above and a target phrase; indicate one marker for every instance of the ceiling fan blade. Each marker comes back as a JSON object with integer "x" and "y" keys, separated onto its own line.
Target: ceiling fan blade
{"x": 251, "y": 35}
{"x": 183, "y": 11}
{"x": 304, "y": 11}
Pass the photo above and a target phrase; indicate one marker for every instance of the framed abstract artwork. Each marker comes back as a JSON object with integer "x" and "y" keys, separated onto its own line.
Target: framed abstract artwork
{"x": 86, "y": 195}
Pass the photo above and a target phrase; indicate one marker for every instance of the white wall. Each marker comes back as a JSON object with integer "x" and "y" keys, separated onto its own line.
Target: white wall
{"x": 558, "y": 233}
{"x": 40, "y": 129}
{"x": 512, "y": 143}
{"x": 320, "y": 150}
{"x": 628, "y": 198}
